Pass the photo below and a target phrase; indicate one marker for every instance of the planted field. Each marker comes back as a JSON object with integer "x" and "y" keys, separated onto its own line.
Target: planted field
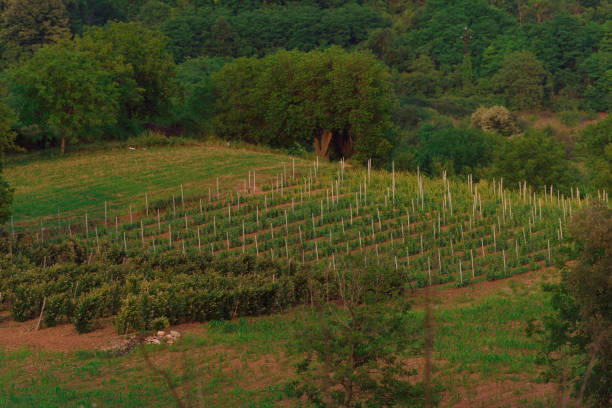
{"x": 432, "y": 231}
{"x": 264, "y": 240}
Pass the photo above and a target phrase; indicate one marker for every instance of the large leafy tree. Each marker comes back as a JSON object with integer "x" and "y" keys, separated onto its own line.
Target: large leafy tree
{"x": 534, "y": 157}
{"x": 140, "y": 65}
{"x": 521, "y": 80}
{"x": 30, "y": 24}
{"x": 64, "y": 93}
{"x": 336, "y": 99}
{"x": 459, "y": 151}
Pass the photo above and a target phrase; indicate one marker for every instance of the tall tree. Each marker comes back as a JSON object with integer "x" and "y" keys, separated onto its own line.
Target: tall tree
{"x": 521, "y": 80}
{"x": 338, "y": 100}
{"x": 140, "y": 64}
{"x": 65, "y": 93}
{"x": 30, "y": 24}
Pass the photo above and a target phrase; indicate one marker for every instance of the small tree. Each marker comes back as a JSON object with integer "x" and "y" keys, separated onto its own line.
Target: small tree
{"x": 496, "y": 119}
{"x": 63, "y": 92}
{"x": 353, "y": 350}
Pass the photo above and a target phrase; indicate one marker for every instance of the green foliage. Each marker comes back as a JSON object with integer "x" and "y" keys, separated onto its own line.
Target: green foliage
{"x": 140, "y": 66}
{"x": 440, "y": 28}
{"x": 160, "y": 323}
{"x": 31, "y": 24}
{"x": 351, "y": 353}
{"x": 294, "y": 97}
{"x": 459, "y": 151}
{"x": 64, "y": 93}
{"x": 7, "y": 142}
{"x": 26, "y": 301}
{"x": 521, "y": 79}
{"x": 577, "y": 334}
{"x": 533, "y": 157}
{"x": 198, "y": 109}
{"x": 596, "y": 145}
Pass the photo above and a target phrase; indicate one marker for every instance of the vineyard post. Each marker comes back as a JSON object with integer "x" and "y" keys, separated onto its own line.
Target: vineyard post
{"x": 116, "y": 229}
{"x": 472, "y": 259}
{"x": 141, "y": 234}
{"x": 105, "y": 219}
{"x": 504, "y": 257}
{"x": 124, "y": 242}
{"x": 97, "y": 241}
{"x": 548, "y": 244}
{"x": 460, "y": 273}
{"x": 393, "y": 179}
{"x": 199, "y": 242}
{"x": 147, "y": 202}
{"x": 86, "y": 226}
{"x": 170, "y": 235}
{"x": 158, "y": 222}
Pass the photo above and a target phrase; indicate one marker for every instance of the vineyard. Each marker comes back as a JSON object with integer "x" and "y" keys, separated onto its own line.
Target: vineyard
{"x": 228, "y": 251}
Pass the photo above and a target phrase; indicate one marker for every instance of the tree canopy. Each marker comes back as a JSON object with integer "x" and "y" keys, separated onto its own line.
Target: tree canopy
{"x": 64, "y": 94}
{"x": 332, "y": 97}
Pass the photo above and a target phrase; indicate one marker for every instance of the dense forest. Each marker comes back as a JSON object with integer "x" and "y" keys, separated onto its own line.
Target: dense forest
{"x": 437, "y": 85}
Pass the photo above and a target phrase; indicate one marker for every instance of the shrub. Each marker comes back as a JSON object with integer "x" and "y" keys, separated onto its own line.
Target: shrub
{"x": 160, "y": 323}
{"x": 26, "y": 301}
{"x": 496, "y": 119}
{"x": 85, "y": 311}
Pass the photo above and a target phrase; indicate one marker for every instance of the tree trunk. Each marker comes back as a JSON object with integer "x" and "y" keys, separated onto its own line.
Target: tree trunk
{"x": 322, "y": 146}
{"x": 63, "y": 145}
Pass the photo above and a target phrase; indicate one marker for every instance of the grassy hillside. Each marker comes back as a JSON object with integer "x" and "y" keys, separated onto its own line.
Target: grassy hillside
{"x": 83, "y": 181}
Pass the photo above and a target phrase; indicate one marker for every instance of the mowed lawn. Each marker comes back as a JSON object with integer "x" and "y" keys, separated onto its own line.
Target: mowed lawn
{"x": 83, "y": 181}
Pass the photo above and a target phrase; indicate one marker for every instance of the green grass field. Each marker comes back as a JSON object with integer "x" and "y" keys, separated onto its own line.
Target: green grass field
{"x": 83, "y": 181}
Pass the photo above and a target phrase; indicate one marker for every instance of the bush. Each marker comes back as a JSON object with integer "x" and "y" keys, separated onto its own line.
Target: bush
{"x": 26, "y": 301}
{"x": 160, "y": 323}
{"x": 85, "y": 311}
{"x": 130, "y": 316}
{"x": 496, "y": 119}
